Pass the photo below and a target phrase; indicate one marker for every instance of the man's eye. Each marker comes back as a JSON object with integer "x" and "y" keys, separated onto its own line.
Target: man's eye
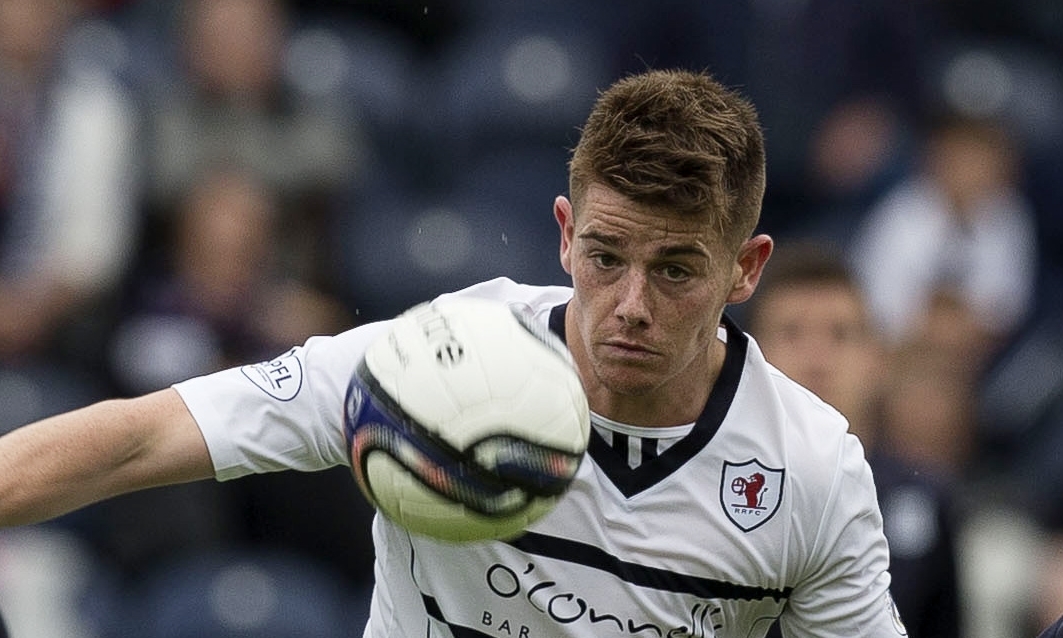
{"x": 604, "y": 260}
{"x": 675, "y": 273}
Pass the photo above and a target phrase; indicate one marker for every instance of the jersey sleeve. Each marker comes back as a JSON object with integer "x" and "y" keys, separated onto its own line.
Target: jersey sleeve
{"x": 287, "y": 413}
{"x": 845, "y": 591}
{"x": 281, "y": 414}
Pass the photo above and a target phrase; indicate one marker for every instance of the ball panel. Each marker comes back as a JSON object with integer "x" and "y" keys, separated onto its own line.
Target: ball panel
{"x": 463, "y": 422}
{"x": 422, "y": 511}
{"x": 538, "y": 470}
{"x": 381, "y": 428}
{"x": 490, "y": 338}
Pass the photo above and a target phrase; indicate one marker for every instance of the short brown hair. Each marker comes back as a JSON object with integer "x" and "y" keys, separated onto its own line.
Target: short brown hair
{"x": 677, "y": 139}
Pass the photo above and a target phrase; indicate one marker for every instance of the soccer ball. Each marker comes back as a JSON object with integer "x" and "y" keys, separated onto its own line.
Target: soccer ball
{"x": 465, "y": 420}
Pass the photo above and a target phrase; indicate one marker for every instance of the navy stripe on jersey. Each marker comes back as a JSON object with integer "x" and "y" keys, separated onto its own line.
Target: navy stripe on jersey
{"x": 636, "y": 450}
{"x": 615, "y": 466}
{"x": 648, "y": 450}
{"x": 641, "y": 575}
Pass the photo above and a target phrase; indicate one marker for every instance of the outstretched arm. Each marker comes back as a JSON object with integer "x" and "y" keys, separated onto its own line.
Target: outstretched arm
{"x": 68, "y": 461}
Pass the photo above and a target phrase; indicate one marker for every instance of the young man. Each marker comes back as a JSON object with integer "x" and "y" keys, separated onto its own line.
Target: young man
{"x": 717, "y": 495}
{"x": 810, "y": 319}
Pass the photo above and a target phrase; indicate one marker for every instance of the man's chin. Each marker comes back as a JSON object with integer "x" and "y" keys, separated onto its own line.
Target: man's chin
{"x": 630, "y": 383}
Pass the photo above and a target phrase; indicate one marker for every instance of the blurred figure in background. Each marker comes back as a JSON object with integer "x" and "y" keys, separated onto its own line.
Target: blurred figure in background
{"x": 221, "y": 297}
{"x": 68, "y": 226}
{"x": 857, "y": 151}
{"x": 221, "y": 294}
{"x": 929, "y": 403}
{"x": 956, "y": 238}
{"x": 1021, "y": 428}
{"x": 810, "y": 62}
{"x": 67, "y": 197}
{"x": 229, "y": 100}
{"x": 810, "y": 318}
{"x": 229, "y": 261}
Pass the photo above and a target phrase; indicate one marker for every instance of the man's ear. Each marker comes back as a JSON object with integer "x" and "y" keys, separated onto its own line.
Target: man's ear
{"x": 749, "y": 266}
{"x": 565, "y": 222}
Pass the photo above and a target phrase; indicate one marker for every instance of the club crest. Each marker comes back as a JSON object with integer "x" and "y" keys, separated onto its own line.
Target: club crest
{"x": 750, "y": 493}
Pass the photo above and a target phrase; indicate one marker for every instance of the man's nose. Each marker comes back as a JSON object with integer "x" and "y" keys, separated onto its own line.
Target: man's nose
{"x": 633, "y": 301}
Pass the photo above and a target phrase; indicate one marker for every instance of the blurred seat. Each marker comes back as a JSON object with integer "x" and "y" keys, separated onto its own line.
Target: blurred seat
{"x": 520, "y": 72}
{"x": 495, "y": 220}
{"x": 369, "y": 66}
{"x": 243, "y": 595}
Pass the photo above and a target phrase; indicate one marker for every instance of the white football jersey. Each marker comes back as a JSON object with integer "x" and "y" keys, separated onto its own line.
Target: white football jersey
{"x": 764, "y": 509}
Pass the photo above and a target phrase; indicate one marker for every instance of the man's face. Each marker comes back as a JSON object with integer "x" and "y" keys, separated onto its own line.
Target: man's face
{"x": 818, "y": 335}
{"x": 650, "y": 287}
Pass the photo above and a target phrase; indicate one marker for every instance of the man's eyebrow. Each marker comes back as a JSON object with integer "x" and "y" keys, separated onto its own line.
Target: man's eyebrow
{"x": 604, "y": 238}
{"x": 683, "y": 250}
{"x": 619, "y": 241}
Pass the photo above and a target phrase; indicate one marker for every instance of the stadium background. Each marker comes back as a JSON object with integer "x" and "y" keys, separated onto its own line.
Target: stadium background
{"x": 394, "y": 150}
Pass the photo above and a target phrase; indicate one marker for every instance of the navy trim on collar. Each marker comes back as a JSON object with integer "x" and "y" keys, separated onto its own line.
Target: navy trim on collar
{"x": 632, "y": 481}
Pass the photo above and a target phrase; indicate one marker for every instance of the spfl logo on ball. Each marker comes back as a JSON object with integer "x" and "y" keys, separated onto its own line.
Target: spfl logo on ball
{"x": 281, "y": 378}
{"x": 750, "y": 493}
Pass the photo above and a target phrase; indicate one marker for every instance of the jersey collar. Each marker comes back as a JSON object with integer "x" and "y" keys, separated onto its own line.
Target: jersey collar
{"x": 632, "y": 481}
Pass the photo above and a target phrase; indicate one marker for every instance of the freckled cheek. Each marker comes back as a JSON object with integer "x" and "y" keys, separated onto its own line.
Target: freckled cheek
{"x": 705, "y": 335}
{"x": 595, "y": 297}
{"x": 594, "y": 286}
{"x": 697, "y": 331}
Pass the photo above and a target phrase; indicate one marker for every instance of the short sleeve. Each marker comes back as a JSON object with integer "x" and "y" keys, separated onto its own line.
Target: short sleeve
{"x": 281, "y": 414}
{"x": 845, "y": 591}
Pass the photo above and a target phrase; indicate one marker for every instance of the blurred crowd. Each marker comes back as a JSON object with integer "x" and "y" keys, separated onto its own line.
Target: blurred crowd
{"x": 192, "y": 184}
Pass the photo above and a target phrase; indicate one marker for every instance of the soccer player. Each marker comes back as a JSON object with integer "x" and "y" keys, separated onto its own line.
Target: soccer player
{"x": 746, "y": 501}
{"x": 811, "y": 320}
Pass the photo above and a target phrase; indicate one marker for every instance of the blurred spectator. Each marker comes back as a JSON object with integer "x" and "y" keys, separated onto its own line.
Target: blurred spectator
{"x": 45, "y": 576}
{"x": 1021, "y": 429}
{"x": 67, "y": 219}
{"x": 810, "y": 318}
{"x": 929, "y": 406}
{"x": 230, "y": 101}
{"x": 67, "y": 231}
{"x": 221, "y": 297}
{"x": 958, "y": 230}
{"x": 246, "y": 164}
{"x": 858, "y": 150}
{"x": 805, "y": 59}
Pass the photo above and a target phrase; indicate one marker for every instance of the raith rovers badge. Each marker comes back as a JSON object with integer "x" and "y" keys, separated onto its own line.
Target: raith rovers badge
{"x": 750, "y": 493}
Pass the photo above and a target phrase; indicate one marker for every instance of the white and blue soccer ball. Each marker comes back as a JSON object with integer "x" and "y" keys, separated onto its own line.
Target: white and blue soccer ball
{"x": 466, "y": 420}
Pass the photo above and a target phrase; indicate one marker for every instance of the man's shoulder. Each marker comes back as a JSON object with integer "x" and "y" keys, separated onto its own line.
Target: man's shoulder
{"x": 806, "y": 433}
{"x": 800, "y": 412}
